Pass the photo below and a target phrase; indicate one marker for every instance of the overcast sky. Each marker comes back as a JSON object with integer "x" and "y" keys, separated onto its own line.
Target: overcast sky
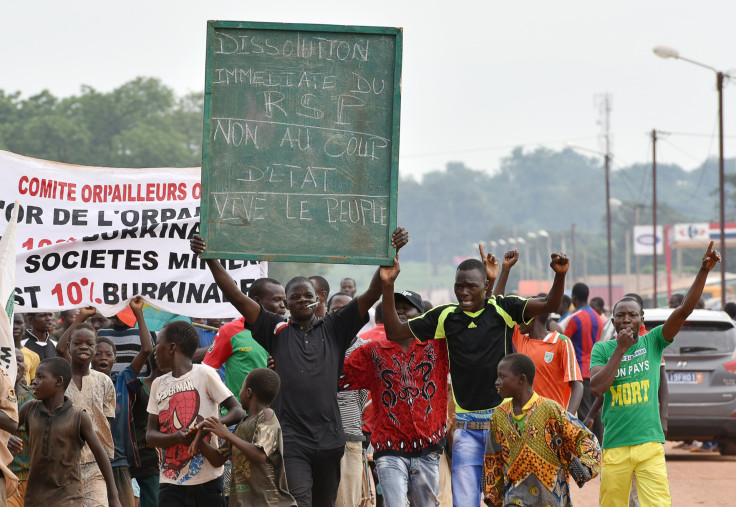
{"x": 479, "y": 77}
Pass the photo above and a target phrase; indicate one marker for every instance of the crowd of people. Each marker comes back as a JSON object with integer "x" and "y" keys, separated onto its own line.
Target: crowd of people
{"x": 486, "y": 400}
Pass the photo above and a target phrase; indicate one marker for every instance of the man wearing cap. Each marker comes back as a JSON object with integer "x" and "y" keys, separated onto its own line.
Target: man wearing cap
{"x": 407, "y": 380}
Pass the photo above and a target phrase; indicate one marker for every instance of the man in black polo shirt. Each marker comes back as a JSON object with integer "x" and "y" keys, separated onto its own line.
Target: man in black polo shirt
{"x": 309, "y": 353}
{"x": 38, "y": 335}
{"x": 478, "y": 331}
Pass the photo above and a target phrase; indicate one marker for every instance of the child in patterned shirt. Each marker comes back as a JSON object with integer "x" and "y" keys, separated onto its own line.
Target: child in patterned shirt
{"x": 533, "y": 444}
{"x": 256, "y": 447}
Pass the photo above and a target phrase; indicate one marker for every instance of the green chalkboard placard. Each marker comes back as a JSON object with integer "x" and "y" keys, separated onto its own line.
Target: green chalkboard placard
{"x": 301, "y": 142}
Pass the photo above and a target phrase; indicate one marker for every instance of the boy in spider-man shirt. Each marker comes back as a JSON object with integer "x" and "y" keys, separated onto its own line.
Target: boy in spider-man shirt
{"x": 179, "y": 401}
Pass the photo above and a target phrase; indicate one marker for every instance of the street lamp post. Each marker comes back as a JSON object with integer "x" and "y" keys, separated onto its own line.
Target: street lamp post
{"x": 607, "y": 160}
{"x": 667, "y": 52}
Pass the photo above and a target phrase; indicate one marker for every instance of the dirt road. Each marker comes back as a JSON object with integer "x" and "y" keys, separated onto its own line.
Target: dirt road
{"x": 695, "y": 479}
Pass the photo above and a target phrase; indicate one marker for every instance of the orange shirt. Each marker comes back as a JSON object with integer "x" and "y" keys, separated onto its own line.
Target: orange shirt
{"x": 554, "y": 358}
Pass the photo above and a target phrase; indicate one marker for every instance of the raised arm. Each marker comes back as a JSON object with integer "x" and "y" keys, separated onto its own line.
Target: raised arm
{"x": 395, "y": 329}
{"x": 146, "y": 343}
{"x": 674, "y": 322}
{"x": 509, "y": 259}
{"x": 537, "y": 306}
{"x": 245, "y": 305}
{"x": 491, "y": 263}
{"x": 366, "y": 300}
{"x": 62, "y": 348}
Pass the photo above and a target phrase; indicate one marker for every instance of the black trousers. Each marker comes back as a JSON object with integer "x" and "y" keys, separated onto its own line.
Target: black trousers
{"x": 208, "y": 494}
{"x": 586, "y": 403}
{"x": 313, "y": 475}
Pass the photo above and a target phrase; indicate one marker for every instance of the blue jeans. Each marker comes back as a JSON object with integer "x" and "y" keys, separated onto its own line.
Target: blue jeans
{"x": 468, "y": 449}
{"x": 417, "y": 478}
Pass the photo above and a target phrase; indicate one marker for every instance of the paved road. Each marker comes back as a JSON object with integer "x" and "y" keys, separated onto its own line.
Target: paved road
{"x": 695, "y": 479}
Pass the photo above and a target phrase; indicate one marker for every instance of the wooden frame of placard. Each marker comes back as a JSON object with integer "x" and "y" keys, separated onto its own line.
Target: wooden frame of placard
{"x": 277, "y": 91}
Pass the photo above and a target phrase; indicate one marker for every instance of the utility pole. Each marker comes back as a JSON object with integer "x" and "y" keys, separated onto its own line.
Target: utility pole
{"x": 654, "y": 212}
{"x": 605, "y": 111}
{"x": 721, "y": 182}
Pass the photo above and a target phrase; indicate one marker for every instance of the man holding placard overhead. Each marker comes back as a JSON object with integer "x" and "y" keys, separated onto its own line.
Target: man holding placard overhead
{"x": 309, "y": 353}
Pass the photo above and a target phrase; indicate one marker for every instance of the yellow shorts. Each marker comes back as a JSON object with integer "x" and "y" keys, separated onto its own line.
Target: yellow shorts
{"x": 647, "y": 463}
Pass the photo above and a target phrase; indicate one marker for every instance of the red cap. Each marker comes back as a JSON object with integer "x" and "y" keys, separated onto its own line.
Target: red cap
{"x": 127, "y": 316}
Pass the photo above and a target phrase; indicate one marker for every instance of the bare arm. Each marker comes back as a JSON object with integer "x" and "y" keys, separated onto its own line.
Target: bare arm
{"x": 7, "y": 424}
{"x": 251, "y": 451}
{"x": 395, "y": 329}
{"x": 245, "y": 305}
{"x": 235, "y": 412}
{"x": 576, "y": 394}
{"x": 146, "y": 343}
{"x": 509, "y": 259}
{"x": 597, "y": 405}
{"x": 491, "y": 263}
{"x": 367, "y": 299}
{"x": 677, "y": 318}
{"x": 199, "y": 354}
{"x": 602, "y": 377}
{"x": 211, "y": 454}
{"x": 537, "y": 306}
{"x": 62, "y": 347}
{"x": 155, "y": 438}
{"x": 103, "y": 461}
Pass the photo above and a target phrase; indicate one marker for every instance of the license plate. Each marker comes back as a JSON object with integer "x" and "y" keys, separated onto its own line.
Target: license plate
{"x": 685, "y": 377}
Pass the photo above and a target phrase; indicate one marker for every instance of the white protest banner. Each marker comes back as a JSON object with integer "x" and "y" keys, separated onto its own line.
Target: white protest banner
{"x": 98, "y": 236}
{"x": 7, "y": 296}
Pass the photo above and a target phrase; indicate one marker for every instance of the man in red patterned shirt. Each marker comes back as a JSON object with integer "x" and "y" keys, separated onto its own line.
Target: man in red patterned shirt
{"x": 408, "y": 383}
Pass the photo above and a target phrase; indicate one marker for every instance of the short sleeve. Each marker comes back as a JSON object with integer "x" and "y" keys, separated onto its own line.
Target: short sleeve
{"x": 263, "y": 328}
{"x": 266, "y": 436}
{"x": 514, "y": 306}
{"x": 152, "y": 407}
{"x": 219, "y": 352}
{"x": 570, "y": 327}
{"x": 218, "y": 391}
{"x": 658, "y": 341}
{"x": 569, "y": 362}
{"x": 425, "y": 327}
{"x": 108, "y": 405}
{"x": 356, "y": 372}
{"x": 346, "y": 323}
{"x": 599, "y": 356}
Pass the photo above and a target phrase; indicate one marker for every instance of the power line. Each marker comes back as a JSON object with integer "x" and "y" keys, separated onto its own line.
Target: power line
{"x": 496, "y": 148}
{"x": 692, "y": 134}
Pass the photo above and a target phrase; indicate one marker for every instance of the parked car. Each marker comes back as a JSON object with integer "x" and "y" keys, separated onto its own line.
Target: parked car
{"x": 701, "y": 375}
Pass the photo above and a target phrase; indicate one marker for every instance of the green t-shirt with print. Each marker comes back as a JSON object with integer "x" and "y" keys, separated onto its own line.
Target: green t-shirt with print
{"x": 631, "y": 405}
